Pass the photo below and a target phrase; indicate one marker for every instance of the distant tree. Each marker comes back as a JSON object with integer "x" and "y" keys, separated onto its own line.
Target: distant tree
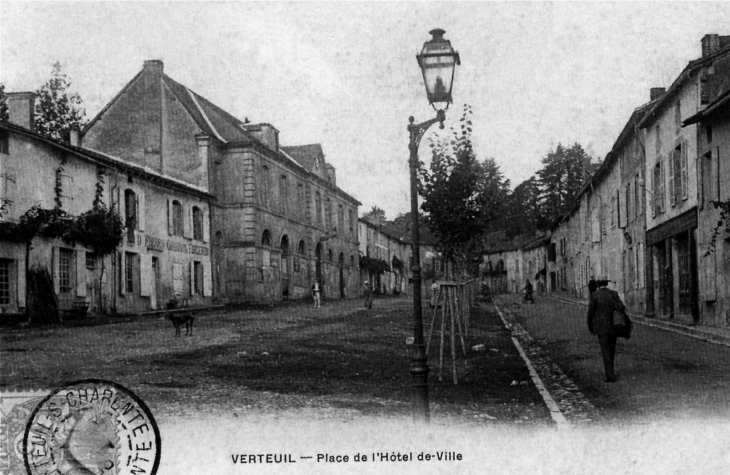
{"x": 560, "y": 179}
{"x": 376, "y": 216}
{"x": 461, "y": 196}
{"x": 4, "y": 114}
{"x": 522, "y": 211}
{"x": 57, "y": 110}
{"x": 401, "y": 227}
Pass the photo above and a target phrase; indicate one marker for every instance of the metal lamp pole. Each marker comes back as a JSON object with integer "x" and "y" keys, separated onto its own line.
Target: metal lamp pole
{"x": 419, "y": 364}
{"x": 437, "y": 61}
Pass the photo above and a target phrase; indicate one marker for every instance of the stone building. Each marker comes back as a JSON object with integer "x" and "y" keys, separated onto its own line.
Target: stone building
{"x": 278, "y": 222}
{"x": 713, "y": 124}
{"x": 376, "y": 243}
{"x": 166, "y": 250}
{"x": 672, "y": 160}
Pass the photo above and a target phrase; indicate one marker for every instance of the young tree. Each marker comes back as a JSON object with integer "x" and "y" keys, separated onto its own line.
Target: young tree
{"x": 461, "y": 195}
{"x": 58, "y": 111}
{"x": 4, "y": 113}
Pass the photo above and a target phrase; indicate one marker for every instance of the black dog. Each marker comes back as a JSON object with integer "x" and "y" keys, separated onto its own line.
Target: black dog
{"x": 182, "y": 318}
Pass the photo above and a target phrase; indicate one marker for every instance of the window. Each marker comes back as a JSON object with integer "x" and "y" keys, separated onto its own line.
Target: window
{"x": 197, "y": 223}
{"x": 328, "y": 216}
{"x": 658, "y": 140}
{"x": 340, "y": 218}
{"x": 130, "y": 209}
{"x": 283, "y": 195}
{"x": 197, "y": 278}
{"x": 350, "y": 220}
{"x": 266, "y": 238}
{"x": 329, "y": 255}
{"x": 177, "y": 278}
{"x": 628, "y": 203}
{"x": 90, "y": 260}
{"x": 64, "y": 270}
{"x": 683, "y": 170}
{"x": 678, "y": 116}
{"x": 318, "y": 207}
{"x": 708, "y": 131}
{"x": 301, "y": 248}
{"x": 265, "y": 186}
{"x": 177, "y": 218}
{"x": 637, "y": 197}
{"x": 300, "y": 200}
{"x": 5, "y": 281}
{"x": 4, "y": 142}
{"x": 129, "y": 272}
{"x": 658, "y": 188}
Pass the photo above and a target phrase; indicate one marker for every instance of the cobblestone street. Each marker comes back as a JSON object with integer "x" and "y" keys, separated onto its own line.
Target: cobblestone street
{"x": 663, "y": 376}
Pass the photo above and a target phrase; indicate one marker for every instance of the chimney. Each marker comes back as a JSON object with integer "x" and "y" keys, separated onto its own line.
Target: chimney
{"x": 74, "y": 137}
{"x": 656, "y": 92}
{"x": 154, "y": 66}
{"x": 710, "y": 45}
{"x": 265, "y": 133}
{"x": 331, "y": 174}
{"x": 21, "y": 109}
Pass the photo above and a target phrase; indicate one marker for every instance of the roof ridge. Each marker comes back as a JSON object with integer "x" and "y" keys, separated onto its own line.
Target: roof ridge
{"x": 114, "y": 99}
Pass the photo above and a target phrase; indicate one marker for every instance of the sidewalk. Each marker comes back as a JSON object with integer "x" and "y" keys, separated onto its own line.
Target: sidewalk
{"x": 720, "y": 336}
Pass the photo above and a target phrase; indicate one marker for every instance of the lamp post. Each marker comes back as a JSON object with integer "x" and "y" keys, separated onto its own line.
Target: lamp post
{"x": 437, "y": 61}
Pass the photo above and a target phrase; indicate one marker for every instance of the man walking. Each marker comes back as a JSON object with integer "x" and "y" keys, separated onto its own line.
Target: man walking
{"x": 528, "y": 292}
{"x": 602, "y": 304}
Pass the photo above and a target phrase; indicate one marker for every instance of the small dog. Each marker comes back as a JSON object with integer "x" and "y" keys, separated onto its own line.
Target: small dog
{"x": 180, "y": 319}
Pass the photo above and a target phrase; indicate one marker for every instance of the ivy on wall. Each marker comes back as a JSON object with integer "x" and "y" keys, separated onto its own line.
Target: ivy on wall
{"x": 376, "y": 266}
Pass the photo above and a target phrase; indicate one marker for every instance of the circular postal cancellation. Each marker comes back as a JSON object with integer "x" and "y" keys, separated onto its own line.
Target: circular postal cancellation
{"x": 91, "y": 426}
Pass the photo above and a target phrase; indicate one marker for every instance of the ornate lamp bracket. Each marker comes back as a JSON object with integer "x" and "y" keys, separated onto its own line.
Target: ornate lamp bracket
{"x": 418, "y": 130}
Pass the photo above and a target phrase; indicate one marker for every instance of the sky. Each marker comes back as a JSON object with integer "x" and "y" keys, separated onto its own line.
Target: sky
{"x": 345, "y": 74}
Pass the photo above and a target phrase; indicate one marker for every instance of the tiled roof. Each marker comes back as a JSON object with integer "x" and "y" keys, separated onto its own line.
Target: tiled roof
{"x": 306, "y": 155}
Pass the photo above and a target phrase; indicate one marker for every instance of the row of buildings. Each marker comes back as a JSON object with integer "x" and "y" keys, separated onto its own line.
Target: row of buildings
{"x": 215, "y": 209}
{"x": 647, "y": 219}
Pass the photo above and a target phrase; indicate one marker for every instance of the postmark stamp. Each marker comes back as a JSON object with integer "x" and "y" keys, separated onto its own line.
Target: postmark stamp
{"x": 90, "y": 426}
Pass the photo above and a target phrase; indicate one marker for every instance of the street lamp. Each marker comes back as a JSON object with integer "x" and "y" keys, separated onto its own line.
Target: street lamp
{"x": 437, "y": 61}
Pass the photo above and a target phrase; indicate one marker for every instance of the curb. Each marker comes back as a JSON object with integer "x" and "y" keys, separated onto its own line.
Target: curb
{"x": 698, "y": 333}
{"x": 555, "y": 413}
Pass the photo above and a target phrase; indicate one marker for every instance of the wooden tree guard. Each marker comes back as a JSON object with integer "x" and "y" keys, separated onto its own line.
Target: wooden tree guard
{"x": 453, "y": 309}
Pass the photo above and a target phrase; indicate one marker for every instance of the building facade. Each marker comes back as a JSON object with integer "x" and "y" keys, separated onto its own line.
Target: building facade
{"x": 166, "y": 250}
{"x": 278, "y": 222}
{"x": 713, "y": 127}
{"x": 377, "y": 243}
{"x": 672, "y": 159}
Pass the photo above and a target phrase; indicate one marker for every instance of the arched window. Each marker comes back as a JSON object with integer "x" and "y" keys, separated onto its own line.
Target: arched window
{"x": 285, "y": 245}
{"x": 329, "y": 255}
{"x": 130, "y": 209}
{"x": 342, "y": 259}
{"x": 301, "y": 249}
{"x": 218, "y": 238}
{"x": 266, "y": 238}
{"x": 197, "y": 223}
{"x": 352, "y": 261}
{"x": 177, "y": 218}
{"x": 350, "y": 220}
{"x": 318, "y": 207}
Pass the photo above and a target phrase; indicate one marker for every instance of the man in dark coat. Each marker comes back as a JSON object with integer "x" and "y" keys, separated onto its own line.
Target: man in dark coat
{"x": 602, "y": 304}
